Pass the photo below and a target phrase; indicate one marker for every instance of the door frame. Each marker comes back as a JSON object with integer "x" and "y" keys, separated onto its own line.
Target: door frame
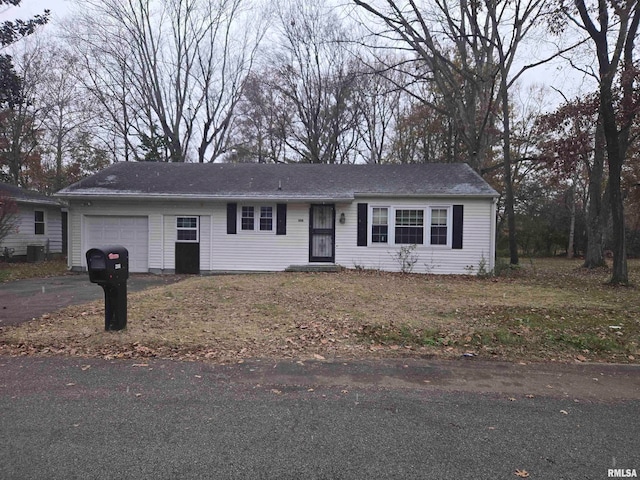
{"x": 322, "y": 231}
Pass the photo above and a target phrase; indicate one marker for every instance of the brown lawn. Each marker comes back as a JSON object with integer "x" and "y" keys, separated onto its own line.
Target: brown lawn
{"x": 547, "y": 310}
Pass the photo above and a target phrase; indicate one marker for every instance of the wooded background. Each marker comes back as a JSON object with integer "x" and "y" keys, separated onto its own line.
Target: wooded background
{"x": 345, "y": 82}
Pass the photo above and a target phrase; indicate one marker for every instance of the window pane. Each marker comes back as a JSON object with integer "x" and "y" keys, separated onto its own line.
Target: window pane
{"x": 410, "y": 218}
{"x": 409, "y": 235}
{"x": 379, "y": 234}
{"x": 379, "y": 228}
{"x": 439, "y": 217}
{"x": 266, "y": 218}
{"x": 187, "y": 222}
{"x": 38, "y": 216}
{"x": 188, "y": 235}
{"x": 439, "y": 226}
{"x": 247, "y": 218}
{"x": 409, "y": 227}
{"x": 187, "y": 229}
{"x": 380, "y": 216}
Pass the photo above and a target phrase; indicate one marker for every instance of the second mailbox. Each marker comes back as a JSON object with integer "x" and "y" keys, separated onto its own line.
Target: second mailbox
{"x": 108, "y": 265}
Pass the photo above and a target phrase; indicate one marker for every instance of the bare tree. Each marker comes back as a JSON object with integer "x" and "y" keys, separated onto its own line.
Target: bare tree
{"x": 263, "y": 120}
{"x": 612, "y": 28}
{"x": 183, "y": 67}
{"x": 377, "y": 98}
{"x": 468, "y": 51}
{"x": 317, "y": 77}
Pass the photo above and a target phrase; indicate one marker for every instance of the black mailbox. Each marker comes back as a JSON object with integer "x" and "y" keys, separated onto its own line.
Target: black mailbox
{"x": 108, "y": 264}
{"x": 109, "y": 268}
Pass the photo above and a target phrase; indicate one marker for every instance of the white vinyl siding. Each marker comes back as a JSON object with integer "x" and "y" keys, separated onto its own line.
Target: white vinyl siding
{"x": 261, "y": 251}
{"x": 478, "y": 232}
{"x": 266, "y": 251}
{"x": 219, "y": 251}
{"x": 24, "y": 230}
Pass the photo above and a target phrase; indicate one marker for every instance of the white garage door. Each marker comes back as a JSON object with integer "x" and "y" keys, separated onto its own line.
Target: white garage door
{"x": 130, "y": 232}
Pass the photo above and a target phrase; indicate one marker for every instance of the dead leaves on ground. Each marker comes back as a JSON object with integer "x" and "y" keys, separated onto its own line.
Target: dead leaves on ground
{"x": 350, "y": 314}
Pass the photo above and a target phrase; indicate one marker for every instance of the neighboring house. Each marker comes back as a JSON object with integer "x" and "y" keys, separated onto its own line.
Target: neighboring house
{"x": 199, "y": 218}
{"x": 38, "y": 226}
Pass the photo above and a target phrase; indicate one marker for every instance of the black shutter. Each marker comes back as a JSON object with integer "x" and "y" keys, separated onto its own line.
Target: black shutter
{"x": 281, "y": 219}
{"x": 458, "y": 214}
{"x": 362, "y": 224}
{"x": 232, "y": 214}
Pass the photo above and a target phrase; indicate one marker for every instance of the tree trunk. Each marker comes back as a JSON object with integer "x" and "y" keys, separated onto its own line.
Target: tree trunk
{"x": 615, "y": 158}
{"x": 508, "y": 181}
{"x": 596, "y": 213}
{"x": 572, "y": 221}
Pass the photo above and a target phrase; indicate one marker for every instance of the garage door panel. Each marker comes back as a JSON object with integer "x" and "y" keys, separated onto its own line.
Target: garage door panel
{"x": 130, "y": 232}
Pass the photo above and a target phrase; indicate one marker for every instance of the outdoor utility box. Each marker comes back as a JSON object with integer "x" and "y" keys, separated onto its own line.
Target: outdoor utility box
{"x": 109, "y": 268}
{"x": 35, "y": 253}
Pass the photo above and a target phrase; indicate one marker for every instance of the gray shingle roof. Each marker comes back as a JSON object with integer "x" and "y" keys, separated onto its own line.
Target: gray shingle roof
{"x": 22, "y": 195}
{"x": 273, "y": 181}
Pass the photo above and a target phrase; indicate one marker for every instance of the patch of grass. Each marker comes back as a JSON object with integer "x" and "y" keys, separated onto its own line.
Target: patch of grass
{"x": 402, "y": 336}
{"x": 585, "y": 342}
{"x": 21, "y": 270}
{"x": 546, "y": 309}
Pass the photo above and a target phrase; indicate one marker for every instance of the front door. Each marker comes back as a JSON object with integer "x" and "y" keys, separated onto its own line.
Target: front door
{"x": 322, "y": 229}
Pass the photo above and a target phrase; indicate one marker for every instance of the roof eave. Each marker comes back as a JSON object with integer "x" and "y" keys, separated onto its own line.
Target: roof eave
{"x": 199, "y": 197}
{"x": 428, "y": 195}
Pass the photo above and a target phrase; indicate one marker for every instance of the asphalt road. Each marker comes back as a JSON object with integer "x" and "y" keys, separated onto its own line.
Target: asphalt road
{"x": 67, "y": 418}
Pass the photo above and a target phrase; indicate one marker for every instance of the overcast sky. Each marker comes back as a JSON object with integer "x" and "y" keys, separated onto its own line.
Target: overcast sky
{"x": 29, "y": 8}
{"x": 563, "y": 79}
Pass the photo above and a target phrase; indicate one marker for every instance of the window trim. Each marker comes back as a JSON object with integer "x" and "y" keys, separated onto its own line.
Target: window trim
{"x": 246, "y": 208}
{"x": 188, "y": 229}
{"x": 395, "y": 224}
{"x": 257, "y": 217}
{"x": 270, "y": 218}
{"x": 390, "y": 236}
{"x": 449, "y": 226}
{"x": 36, "y": 223}
{"x": 426, "y": 227}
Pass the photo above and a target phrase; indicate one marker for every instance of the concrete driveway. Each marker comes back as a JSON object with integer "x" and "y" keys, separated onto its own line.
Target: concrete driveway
{"x": 24, "y": 300}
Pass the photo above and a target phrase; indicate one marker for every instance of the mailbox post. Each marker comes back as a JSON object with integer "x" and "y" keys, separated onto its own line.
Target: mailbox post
{"x": 109, "y": 268}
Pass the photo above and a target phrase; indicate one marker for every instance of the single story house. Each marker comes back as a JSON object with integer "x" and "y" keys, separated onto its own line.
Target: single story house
{"x": 206, "y": 218}
{"x": 37, "y": 228}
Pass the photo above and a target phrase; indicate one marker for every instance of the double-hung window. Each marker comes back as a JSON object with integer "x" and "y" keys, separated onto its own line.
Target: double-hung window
{"x": 38, "y": 218}
{"x": 257, "y": 218}
{"x": 439, "y": 226}
{"x": 380, "y": 225}
{"x": 187, "y": 228}
{"x": 248, "y": 218}
{"x": 266, "y": 218}
{"x": 409, "y": 226}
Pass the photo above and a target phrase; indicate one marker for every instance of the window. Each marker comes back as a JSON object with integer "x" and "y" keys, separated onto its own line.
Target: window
{"x": 187, "y": 229}
{"x": 258, "y": 218}
{"x": 379, "y": 225}
{"x": 266, "y": 218}
{"x": 439, "y": 228}
{"x": 409, "y": 227}
{"x": 247, "y": 218}
{"x": 38, "y": 218}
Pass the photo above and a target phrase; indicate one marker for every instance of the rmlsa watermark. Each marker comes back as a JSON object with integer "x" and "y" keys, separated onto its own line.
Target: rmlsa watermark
{"x": 622, "y": 473}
